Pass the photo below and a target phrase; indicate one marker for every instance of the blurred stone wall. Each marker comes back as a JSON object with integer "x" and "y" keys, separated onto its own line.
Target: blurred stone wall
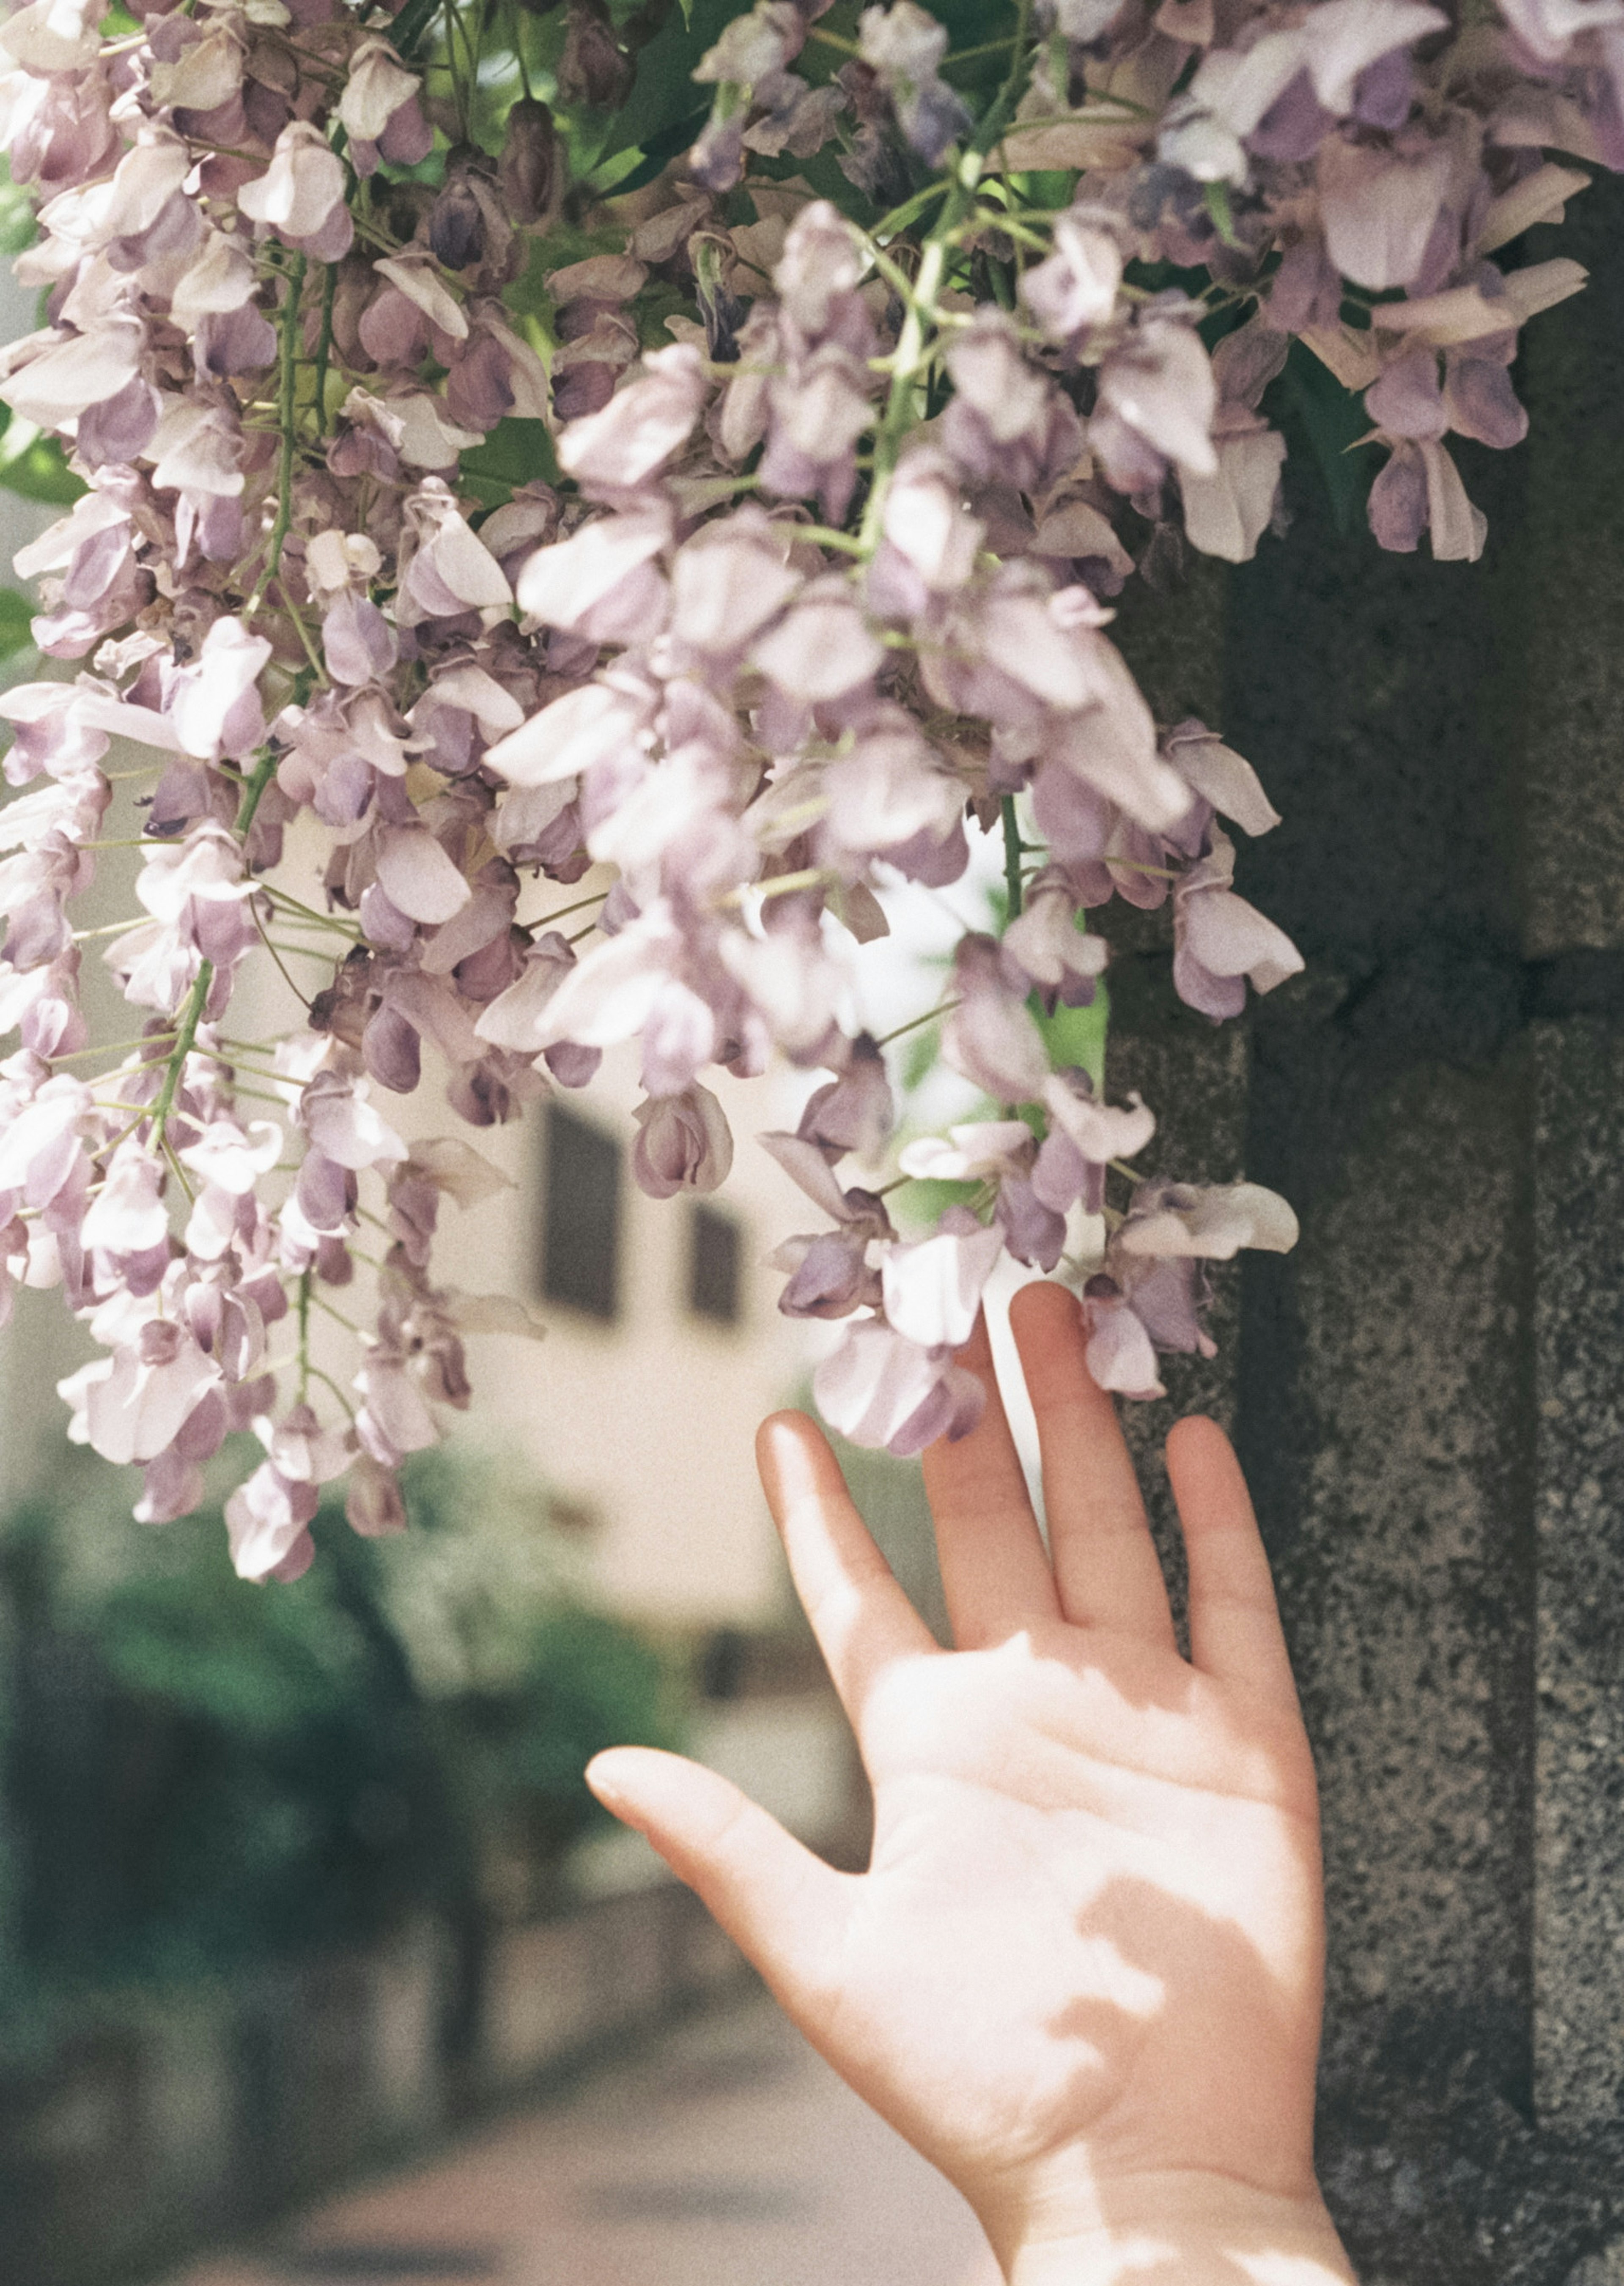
{"x": 1427, "y": 1394}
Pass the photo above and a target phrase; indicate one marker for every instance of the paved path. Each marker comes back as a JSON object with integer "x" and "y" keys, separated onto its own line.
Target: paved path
{"x": 726, "y": 2154}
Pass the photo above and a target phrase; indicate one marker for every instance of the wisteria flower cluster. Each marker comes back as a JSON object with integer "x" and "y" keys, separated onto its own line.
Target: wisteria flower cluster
{"x": 856, "y": 402}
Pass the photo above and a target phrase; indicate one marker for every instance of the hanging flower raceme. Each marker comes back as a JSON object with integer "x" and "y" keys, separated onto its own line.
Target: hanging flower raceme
{"x": 742, "y": 551}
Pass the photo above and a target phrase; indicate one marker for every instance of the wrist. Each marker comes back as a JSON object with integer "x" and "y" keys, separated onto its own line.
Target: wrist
{"x": 1178, "y": 2230}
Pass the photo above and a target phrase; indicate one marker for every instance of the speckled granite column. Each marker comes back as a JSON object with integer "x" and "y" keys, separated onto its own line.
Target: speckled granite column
{"x": 1578, "y": 1897}
{"x": 1572, "y": 834}
{"x": 1386, "y": 1366}
{"x": 1572, "y": 854}
{"x": 1193, "y": 1074}
{"x": 1197, "y": 1080}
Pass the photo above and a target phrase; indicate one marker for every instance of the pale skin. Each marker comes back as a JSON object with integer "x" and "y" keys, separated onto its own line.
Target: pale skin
{"x": 1083, "y": 1972}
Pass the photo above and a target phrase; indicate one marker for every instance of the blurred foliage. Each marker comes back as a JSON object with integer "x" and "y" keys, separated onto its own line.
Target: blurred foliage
{"x": 195, "y": 1772}
{"x": 18, "y": 227}
{"x": 16, "y": 622}
{"x": 1077, "y": 1035}
{"x": 33, "y": 464}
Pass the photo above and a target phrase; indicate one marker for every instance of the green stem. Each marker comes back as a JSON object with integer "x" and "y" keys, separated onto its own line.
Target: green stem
{"x": 324, "y": 347}
{"x": 111, "y": 1048}
{"x": 1012, "y": 856}
{"x": 1002, "y": 110}
{"x": 974, "y": 55}
{"x": 546, "y": 920}
{"x": 253, "y": 790}
{"x": 824, "y": 535}
{"x": 327, "y": 1381}
{"x": 914, "y": 1022}
{"x": 185, "y": 1032}
{"x": 287, "y": 979}
{"x": 305, "y": 1279}
{"x": 348, "y": 1324}
{"x": 287, "y": 386}
{"x": 913, "y": 345}
{"x": 322, "y": 920}
{"x": 909, "y": 356}
{"x": 898, "y": 219}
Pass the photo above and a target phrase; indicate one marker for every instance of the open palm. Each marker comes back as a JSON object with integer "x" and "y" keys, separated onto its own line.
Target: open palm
{"x": 1083, "y": 1972}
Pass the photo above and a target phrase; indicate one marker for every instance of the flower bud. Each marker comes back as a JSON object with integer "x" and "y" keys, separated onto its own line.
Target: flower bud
{"x": 456, "y": 225}
{"x": 683, "y": 1145}
{"x": 528, "y": 168}
{"x": 594, "y": 68}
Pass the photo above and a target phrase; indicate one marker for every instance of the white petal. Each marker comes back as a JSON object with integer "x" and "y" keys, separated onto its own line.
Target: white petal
{"x": 1223, "y": 1219}
{"x": 1120, "y": 1355}
{"x": 418, "y": 877}
{"x": 560, "y": 584}
{"x": 584, "y": 726}
{"x": 933, "y": 1290}
{"x": 457, "y": 1169}
{"x": 873, "y": 1382}
{"x": 418, "y": 282}
{"x": 1226, "y": 779}
{"x": 1232, "y": 938}
{"x": 612, "y": 993}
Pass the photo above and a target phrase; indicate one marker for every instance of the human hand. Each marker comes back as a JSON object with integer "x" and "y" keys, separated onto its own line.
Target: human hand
{"x": 1083, "y": 1972}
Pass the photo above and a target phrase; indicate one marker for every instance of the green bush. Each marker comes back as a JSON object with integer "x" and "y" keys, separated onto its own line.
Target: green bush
{"x": 197, "y": 1772}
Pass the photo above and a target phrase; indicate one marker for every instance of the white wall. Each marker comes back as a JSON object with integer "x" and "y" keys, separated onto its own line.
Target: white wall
{"x": 644, "y": 1425}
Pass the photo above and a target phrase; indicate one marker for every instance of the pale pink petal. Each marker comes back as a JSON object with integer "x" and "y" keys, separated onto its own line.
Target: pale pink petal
{"x": 872, "y": 1385}
{"x": 1119, "y": 1355}
{"x": 417, "y": 875}
{"x": 1232, "y": 938}
{"x": 1215, "y": 1223}
{"x": 933, "y": 1290}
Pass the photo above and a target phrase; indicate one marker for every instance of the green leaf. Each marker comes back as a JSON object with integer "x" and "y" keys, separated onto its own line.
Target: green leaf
{"x": 647, "y": 160}
{"x": 1077, "y": 1035}
{"x": 921, "y": 1055}
{"x": 659, "y": 301}
{"x": 665, "y": 96}
{"x": 1216, "y": 196}
{"x": 927, "y": 1200}
{"x": 18, "y": 226}
{"x": 410, "y": 25}
{"x": 33, "y": 465}
{"x": 1333, "y": 420}
{"x": 515, "y": 453}
{"x": 16, "y": 612}
{"x": 564, "y": 243}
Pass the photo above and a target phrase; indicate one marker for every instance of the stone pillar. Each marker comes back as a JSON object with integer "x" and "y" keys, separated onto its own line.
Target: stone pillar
{"x": 1193, "y": 1074}
{"x": 1429, "y": 1401}
{"x": 1386, "y": 1369}
{"x": 1578, "y": 1682}
{"x": 1573, "y": 884}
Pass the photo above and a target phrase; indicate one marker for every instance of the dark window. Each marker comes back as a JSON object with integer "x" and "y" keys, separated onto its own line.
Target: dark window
{"x": 581, "y": 1238}
{"x": 712, "y": 1266}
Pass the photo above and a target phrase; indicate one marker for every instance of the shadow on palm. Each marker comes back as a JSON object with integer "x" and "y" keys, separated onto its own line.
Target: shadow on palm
{"x": 1082, "y": 1973}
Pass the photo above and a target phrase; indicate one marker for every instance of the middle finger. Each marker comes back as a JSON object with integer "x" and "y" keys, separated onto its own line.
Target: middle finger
{"x": 1105, "y": 1566}
{"x": 995, "y": 1573}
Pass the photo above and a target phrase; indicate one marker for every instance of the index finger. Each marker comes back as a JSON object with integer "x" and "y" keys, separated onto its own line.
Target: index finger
{"x": 862, "y": 1620}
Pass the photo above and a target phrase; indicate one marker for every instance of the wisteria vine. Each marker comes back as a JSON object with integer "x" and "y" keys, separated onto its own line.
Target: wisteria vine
{"x": 858, "y": 400}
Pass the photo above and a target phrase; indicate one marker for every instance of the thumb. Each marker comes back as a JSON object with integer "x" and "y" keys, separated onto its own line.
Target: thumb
{"x": 784, "y": 1908}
